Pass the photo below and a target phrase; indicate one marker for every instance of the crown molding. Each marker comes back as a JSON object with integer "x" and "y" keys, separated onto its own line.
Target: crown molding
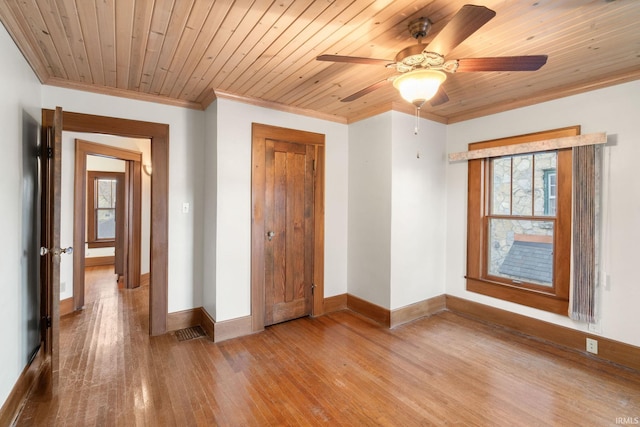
{"x": 122, "y": 93}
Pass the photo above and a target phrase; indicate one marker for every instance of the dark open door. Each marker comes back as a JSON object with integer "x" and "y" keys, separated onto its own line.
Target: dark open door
{"x": 51, "y": 252}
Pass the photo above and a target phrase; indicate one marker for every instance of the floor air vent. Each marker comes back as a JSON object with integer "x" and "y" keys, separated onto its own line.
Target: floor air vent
{"x": 190, "y": 333}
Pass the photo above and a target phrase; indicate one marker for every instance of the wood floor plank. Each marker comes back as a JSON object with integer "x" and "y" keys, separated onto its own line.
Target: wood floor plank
{"x": 337, "y": 369}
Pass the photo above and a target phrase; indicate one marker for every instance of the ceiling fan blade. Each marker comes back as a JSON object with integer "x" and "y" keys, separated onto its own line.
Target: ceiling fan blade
{"x": 466, "y": 22}
{"x": 366, "y": 90}
{"x": 502, "y": 63}
{"x": 439, "y": 98}
{"x": 354, "y": 60}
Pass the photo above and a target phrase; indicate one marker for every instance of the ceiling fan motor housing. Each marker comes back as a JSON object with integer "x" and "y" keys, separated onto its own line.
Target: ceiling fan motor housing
{"x": 419, "y": 28}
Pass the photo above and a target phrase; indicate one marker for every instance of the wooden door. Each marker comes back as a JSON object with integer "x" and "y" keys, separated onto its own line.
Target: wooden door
{"x": 50, "y": 238}
{"x": 289, "y": 230}
{"x": 272, "y": 149}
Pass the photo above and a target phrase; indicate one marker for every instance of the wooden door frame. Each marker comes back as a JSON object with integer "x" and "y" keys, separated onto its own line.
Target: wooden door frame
{"x": 133, "y": 180}
{"x": 260, "y": 133}
{"x": 158, "y": 133}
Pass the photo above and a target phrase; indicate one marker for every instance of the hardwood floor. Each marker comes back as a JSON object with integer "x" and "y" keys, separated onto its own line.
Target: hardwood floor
{"x": 338, "y": 369}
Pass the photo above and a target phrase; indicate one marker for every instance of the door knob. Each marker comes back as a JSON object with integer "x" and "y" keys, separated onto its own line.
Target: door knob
{"x": 56, "y": 251}
{"x": 270, "y": 235}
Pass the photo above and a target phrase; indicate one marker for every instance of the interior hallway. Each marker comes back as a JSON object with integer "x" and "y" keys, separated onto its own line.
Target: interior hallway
{"x": 338, "y": 369}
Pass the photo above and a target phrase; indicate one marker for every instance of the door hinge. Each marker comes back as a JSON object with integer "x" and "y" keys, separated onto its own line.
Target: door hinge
{"x": 46, "y": 322}
{"x": 313, "y": 287}
{"x": 46, "y": 152}
{"x": 314, "y": 165}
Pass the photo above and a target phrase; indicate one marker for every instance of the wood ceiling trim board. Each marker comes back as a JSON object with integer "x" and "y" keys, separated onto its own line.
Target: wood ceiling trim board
{"x": 143, "y": 13}
{"x": 388, "y": 24}
{"x": 224, "y": 41}
{"x": 256, "y": 33}
{"x": 297, "y": 54}
{"x": 192, "y": 38}
{"x": 105, "y": 10}
{"x": 206, "y": 40}
{"x": 280, "y": 107}
{"x": 333, "y": 95}
{"x": 73, "y": 31}
{"x": 240, "y": 26}
{"x": 122, "y": 93}
{"x": 276, "y": 53}
{"x": 352, "y": 28}
{"x": 24, "y": 41}
{"x": 160, "y": 18}
{"x": 29, "y": 15}
{"x": 371, "y": 111}
{"x": 174, "y": 33}
{"x": 548, "y": 95}
{"x": 251, "y": 62}
{"x": 88, "y": 24}
{"x": 124, "y": 15}
{"x": 51, "y": 18}
{"x": 258, "y": 37}
{"x": 273, "y": 43}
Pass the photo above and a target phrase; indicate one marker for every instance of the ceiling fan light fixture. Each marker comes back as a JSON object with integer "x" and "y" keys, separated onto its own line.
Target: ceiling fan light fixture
{"x": 419, "y": 86}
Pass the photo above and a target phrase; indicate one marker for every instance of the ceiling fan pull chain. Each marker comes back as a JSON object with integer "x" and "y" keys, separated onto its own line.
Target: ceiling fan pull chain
{"x": 415, "y": 130}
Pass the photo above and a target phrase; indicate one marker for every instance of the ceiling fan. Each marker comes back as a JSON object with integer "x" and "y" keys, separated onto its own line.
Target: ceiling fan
{"x": 423, "y": 68}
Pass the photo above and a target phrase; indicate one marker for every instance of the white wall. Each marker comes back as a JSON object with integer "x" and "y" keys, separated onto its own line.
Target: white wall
{"x": 613, "y": 110}
{"x": 370, "y": 165}
{"x": 396, "y": 210}
{"x": 20, "y": 97}
{"x": 418, "y": 211}
{"x": 232, "y": 192}
{"x": 210, "y": 210}
{"x": 186, "y": 149}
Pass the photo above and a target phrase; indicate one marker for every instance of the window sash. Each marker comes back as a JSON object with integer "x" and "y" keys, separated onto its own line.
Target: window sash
{"x": 94, "y": 178}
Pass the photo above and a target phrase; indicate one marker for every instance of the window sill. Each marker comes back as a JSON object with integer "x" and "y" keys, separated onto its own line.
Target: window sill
{"x": 102, "y": 244}
{"x": 531, "y": 298}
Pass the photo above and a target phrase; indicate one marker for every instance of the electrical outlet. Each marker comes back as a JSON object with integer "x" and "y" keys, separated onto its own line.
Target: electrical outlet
{"x": 592, "y": 345}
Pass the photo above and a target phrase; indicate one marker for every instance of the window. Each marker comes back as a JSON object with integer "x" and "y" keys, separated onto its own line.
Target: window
{"x": 519, "y": 224}
{"x": 550, "y": 191}
{"x": 101, "y": 208}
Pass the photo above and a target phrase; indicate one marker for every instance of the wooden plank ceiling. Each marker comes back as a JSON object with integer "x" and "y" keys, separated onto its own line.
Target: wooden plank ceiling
{"x": 188, "y": 52}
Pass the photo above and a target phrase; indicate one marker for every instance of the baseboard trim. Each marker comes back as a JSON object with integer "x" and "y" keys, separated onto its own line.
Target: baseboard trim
{"x": 145, "y": 279}
{"x": 417, "y": 310}
{"x": 335, "y": 303}
{"x": 232, "y": 328}
{"x": 216, "y": 331}
{"x": 18, "y": 395}
{"x": 99, "y": 260}
{"x": 608, "y": 349}
{"x": 183, "y": 319}
{"x": 207, "y": 323}
{"x": 66, "y": 306}
{"x": 374, "y": 312}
